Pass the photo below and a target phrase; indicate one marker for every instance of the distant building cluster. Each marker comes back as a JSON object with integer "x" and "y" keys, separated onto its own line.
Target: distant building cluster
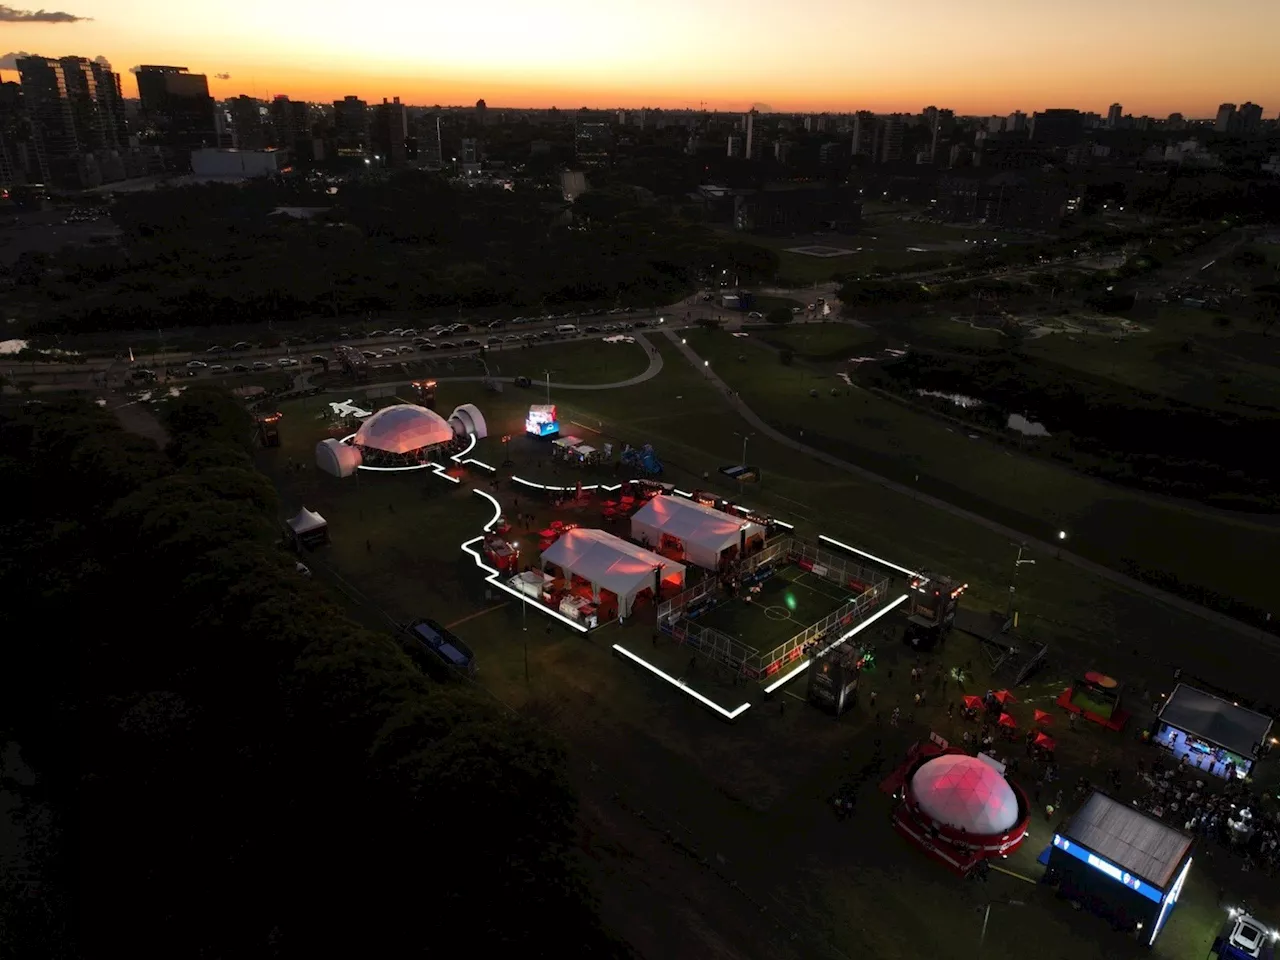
{"x": 67, "y": 126}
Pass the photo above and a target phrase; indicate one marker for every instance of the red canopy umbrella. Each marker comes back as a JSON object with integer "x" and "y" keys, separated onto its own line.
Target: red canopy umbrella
{"x": 1044, "y": 741}
{"x": 1042, "y": 717}
{"x": 1005, "y": 698}
{"x": 973, "y": 703}
{"x": 1007, "y": 721}
{"x": 548, "y": 534}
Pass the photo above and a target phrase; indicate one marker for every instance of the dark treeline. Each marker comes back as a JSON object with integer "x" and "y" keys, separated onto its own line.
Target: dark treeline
{"x": 225, "y": 764}
{"x": 408, "y": 243}
{"x": 1110, "y": 430}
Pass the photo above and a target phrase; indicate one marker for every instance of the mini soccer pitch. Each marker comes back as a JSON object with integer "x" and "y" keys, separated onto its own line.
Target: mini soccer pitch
{"x": 789, "y": 601}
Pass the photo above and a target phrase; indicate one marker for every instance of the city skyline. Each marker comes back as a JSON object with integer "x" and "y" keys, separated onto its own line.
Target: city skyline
{"x": 989, "y": 57}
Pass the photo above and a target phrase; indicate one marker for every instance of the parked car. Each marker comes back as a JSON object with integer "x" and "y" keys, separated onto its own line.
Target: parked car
{"x": 215, "y": 349}
{"x": 427, "y": 345}
{"x": 378, "y": 333}
{"x": 196, "y": 364}
{"x": 287, "y": 362}
{"x": 240, "y": 368}
{"x": 242, "y": 345}
{"x": 148, "y": 375}
{"x": 408, "y": 332}
{"x": 319, "y": 359}
{"x": 406, "y": 349}
{"x": 440, "y": 651}
{"x": 218, "y": 368}
{"x": 492, "y": 341}
{"x": 397, "y": 332}
{"x": 389, "y": 352}
{"x": 755, "y": 315}
{"x": 261, "y": 365}
{"x": 471, "y": 343}
{"x": 461, "y": 328}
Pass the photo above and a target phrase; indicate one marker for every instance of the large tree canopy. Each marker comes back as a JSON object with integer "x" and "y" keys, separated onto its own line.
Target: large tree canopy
{"x": 226, "y": 765}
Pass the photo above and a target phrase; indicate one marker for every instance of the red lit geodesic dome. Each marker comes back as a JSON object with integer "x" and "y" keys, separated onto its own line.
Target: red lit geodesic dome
{"x": 960, "y": 809}
{"x": 404, "y": 430}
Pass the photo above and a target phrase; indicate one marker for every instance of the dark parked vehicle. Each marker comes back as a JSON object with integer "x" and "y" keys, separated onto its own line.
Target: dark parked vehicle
{"x": 441, "y": 651}
{"x": 523, "y": 382}
{"x": 240, "y": 368}
{"x": 319, "y": 359}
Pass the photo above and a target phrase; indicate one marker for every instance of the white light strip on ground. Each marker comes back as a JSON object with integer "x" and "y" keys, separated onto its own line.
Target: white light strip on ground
{"x": 683, "y": 493}
{"x": 799, "y": 669}
{"x": 681, "y": 685}
{"x": 495, "y": 578}
{"x": 497, "y": 509}
{"x": 457, "y": 457}
{"x": 741, "y": 509}
{"x": 479, "y": 463}
{"x": 869, "y": 556}
{"x": 544, "y": 486}
{"x": 780, "y": 523}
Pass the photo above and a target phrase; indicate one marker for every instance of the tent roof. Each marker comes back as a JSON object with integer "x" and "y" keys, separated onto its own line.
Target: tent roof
{"x": 1130, "y": 839}
{"x": 966, "y": 793}
{"x": 608, "y": 561}
{"x": 307, "y": 520}
{"x": 403, "y": 428}
{"x": 692, "y": 522}
{"x": 1211, "y": 718}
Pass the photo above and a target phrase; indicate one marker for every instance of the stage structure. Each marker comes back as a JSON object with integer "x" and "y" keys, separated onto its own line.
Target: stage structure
{"x": 403, "y": 436}
{"x": 932, "y": 611}
{"x": 677, "y": 616}
{"x": 426, "y": 392}
{"x": 1129, "y": 867}
{"x": 542, "y": 421}
{"x": 959, "y": 809}
{"x": 1215, "y": 735}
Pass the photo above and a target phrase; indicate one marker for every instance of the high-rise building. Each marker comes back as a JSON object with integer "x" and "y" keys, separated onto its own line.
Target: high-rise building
{"x": 1250, "y": 118}
{"x": 1016, "y": 122}
{"x": 866, "y": 135}
{"x": 290, "y": 122}
{"x": 592, "y": 137}
{"x": 351, "y": 126}
{"x": 891, "y": 142}
{"x": 1227, "y": 118}
{"x": 19, "y": 160}
{"x": 248, "y": 129}
{"x": 391, "y": 131}
{"x": 44, "y": 95}
{"x": 177, "y": 109}
{"x": 749, "y": 135}
{"x": 733, "y": 146}
{"x": 1057, "y": 127}
{"x": 995, "y": 124}
{"x": 1115, "y": 113}
{"x": 482, "y": 111}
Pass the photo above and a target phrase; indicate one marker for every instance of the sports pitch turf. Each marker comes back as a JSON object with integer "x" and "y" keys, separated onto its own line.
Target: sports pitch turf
{"x": 789, "y": 601}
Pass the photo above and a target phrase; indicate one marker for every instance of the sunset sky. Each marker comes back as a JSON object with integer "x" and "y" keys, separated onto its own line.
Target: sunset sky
{"x": 978, "y": 57}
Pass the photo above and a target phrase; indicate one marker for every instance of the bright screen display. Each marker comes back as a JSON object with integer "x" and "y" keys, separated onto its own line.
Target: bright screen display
{"x": 1109, "y": 868}
{"x": 541, "y": 428}
{"x": 1174, "y": 892}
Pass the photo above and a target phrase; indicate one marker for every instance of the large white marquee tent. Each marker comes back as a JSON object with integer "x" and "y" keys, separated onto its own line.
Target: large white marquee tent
{"x": 610, "y": 563}
{"x": 705, "y": 531}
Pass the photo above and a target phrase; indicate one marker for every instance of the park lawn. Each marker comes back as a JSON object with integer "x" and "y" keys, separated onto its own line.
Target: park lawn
{"x": 1104, "y": 522}
{"x": 818, "y": 342}
{"x": 746, "y": 790}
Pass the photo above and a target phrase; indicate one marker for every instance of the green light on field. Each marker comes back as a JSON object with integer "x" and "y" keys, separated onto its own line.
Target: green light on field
{"x": 790, "y": 601}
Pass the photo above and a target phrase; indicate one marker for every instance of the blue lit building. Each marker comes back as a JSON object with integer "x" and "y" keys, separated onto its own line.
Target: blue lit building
{"x": 1120, "y": 863}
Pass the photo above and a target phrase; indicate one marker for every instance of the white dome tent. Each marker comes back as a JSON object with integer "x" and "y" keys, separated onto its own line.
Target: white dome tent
{"x": 403, "y": 429}
{"x": 964, "y": 793}
{"x": 336, "y": 458}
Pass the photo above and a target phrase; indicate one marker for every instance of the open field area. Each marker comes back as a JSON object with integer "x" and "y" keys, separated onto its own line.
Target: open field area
{"x": 725, "y": 832}
{"x": 952, "y": 461}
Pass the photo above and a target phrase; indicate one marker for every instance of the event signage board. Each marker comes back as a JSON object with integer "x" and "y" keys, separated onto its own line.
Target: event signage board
{"x": 1085, "y": 855}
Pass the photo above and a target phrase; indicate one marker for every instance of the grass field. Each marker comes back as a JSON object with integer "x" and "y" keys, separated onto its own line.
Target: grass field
{"x": 657, "y": 773}
{"x": 1105, "y": 522}
{"x": 788, "y": 602}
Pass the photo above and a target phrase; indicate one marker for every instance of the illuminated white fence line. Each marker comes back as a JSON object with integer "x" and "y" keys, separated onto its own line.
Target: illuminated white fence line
{"x": 497, "y": 509}
{"x": 680, "y": 685}
{"x": 800, "y": 668}
{"x": 870, "y": 556}
{"x": 458, "y": 457}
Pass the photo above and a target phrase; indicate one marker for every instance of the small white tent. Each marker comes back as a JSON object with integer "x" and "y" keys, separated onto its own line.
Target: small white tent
{"x": 611, "y": 563}
{"x": 704, "y": 531}
{"x": 309, "y": 529}
{"x": 337, "y": 458}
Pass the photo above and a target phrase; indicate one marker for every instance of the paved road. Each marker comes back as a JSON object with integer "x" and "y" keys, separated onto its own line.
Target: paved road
{"x": 1129, "y": 583}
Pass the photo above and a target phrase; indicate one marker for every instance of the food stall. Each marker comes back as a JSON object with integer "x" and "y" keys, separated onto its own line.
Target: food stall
{"x": 580, "y": 609}
{"x": 533, "y": 583}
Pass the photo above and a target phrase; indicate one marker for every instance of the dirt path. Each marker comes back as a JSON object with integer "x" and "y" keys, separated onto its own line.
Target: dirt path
{"x": 138, "y": 418}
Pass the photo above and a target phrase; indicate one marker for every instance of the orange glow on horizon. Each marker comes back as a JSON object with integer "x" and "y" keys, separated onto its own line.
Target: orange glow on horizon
{"x": 984, "y": 57}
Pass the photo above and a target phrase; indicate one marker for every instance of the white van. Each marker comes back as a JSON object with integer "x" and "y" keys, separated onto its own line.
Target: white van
{"x": 566, "y": 328}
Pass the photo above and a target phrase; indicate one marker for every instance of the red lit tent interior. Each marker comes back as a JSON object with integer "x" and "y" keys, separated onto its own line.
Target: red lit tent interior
{"x": 957, "y": 808}
{"x": 615, "y": 571}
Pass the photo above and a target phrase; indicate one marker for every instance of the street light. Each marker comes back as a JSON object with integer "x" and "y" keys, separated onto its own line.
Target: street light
{"x": 1018, "y": 562}
{"x": 1062, "y": 536}
{"x": 745, "y": 437}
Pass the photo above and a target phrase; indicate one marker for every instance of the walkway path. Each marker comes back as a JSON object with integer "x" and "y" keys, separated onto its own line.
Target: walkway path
{"x": 1129, "y": 583}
